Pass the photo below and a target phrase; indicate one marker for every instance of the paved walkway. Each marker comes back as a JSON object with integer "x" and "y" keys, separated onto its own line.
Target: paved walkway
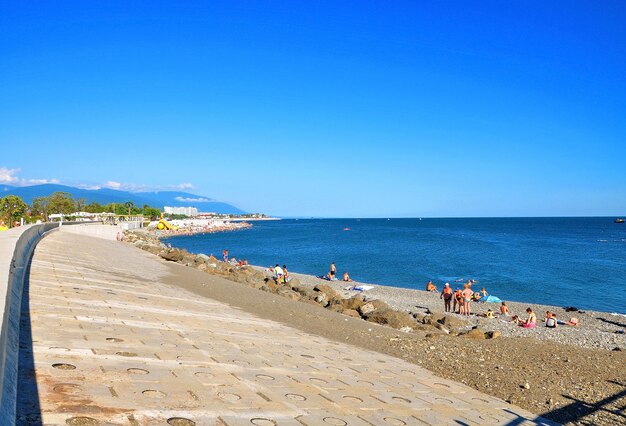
{"x": 113, "y": 345}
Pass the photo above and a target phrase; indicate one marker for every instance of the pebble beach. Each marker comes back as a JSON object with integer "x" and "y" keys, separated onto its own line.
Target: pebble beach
{"x": 597, "y": 330}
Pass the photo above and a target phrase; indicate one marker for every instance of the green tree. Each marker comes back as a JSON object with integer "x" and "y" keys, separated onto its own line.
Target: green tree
{"x": 151, "y": 212}
{"x": 40, "y": 207}
{"x": 12, "y": 208}
{"x": 61, "y": 202}
{"x": 80, "y": 204}
{"x": 94, "y": 207}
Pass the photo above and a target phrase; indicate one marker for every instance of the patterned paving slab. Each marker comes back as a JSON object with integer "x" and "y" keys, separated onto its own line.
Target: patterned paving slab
{"x": 104, "y": 342}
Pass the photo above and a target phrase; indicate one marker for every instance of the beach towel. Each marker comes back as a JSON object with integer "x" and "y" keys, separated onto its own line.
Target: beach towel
{"x": 491, "y": 299}
{"x": 360, "y": 288}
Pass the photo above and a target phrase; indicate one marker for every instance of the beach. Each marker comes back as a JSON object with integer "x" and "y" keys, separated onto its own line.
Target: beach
{"x": 569, "y": 374}
{"x": 596, "y": 330}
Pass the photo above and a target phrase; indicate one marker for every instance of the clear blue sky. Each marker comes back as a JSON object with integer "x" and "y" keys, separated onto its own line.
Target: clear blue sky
{"x": 463, "y": 108}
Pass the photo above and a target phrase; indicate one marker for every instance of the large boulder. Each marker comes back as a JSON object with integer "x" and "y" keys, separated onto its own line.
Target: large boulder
{"x": 322, "y": 299}
{"x": 203, "y": 258}
{"x": 453, "y": 323}
{"x": 475, "y": 333}
{"x": 391, "y": 318}
{"x": 173, "y": 255}
{"x": 353, "y": 303}
{"x": 372, "y": 306}
{"x": 328, "y": 290}
{"x": 366, "y": 308}
{"x": 303, "y": 290}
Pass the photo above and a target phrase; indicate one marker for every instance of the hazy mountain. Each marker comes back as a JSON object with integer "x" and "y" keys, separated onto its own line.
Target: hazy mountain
{"x": 157, "y": 199}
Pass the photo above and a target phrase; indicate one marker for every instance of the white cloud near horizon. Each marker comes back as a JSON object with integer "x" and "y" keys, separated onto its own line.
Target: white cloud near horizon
{"x": 112, "y": 184}
{"x": 192, "y": 200}
{"x": 9, "y": 176}
{"x": 184, "y": 185}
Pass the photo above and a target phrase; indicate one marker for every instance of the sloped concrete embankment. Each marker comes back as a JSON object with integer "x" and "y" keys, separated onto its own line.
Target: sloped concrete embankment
{"x": 16, "y": 249}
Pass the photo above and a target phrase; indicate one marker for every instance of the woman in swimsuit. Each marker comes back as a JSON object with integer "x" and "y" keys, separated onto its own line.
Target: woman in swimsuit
{"x": 458, "y": 300}
{"x": 531, "y": 321}
{"x": 467, "y": 298}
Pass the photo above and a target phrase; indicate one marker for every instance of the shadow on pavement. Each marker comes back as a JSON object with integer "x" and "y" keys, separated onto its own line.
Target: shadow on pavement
{"x": 28, "y": 408}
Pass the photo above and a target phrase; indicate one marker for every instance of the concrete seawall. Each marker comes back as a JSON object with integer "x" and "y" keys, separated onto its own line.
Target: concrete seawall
{"x": 16, "y": 248}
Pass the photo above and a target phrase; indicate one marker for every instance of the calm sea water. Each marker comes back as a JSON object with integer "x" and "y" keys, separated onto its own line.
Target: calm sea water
{"x": 559, "y": 261}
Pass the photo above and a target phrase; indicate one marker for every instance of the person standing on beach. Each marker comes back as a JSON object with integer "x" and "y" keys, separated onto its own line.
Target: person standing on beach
{"x": 225, "y": 255}
{"x": 458, "y": 300}
{"x": 467, "y": 298}
{"x": 446, "y": 295}
{"x": 333, "y": 271}
{"x": 279, "y": 274}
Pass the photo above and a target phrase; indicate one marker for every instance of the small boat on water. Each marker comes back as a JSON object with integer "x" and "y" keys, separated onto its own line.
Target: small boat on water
{"x": 619, "y": 220}
{"x": 346, "y": 229}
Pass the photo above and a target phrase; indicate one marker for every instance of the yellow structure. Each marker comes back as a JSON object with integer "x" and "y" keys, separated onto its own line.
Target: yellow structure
{"x": 164, "y": 224}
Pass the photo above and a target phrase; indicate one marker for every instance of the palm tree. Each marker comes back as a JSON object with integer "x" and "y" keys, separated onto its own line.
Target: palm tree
{"x": 129, "y": 205}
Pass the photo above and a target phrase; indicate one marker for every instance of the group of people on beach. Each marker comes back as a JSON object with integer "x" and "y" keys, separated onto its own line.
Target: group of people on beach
{"x": 233, "y": 261}
{"x": 332, "y": 274}
{"x": 458, "y": 300}
{"x": 281, "y": 275}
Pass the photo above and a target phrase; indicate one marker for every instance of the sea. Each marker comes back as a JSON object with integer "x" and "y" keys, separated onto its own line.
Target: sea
{"x": 578, "y": 262}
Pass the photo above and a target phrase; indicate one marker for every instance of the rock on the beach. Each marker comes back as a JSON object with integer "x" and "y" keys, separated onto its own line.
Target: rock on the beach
{"x": 366, "y": 308}
{"x": 493, "y": 334}
{"x": 204, "y": 257}
{"x": 322, "y": 299}
{"x": 327, "y": 290}
{"x": 353, "y": 303}
{"x": 475, "y": 333}
{"x": 173, "y": 255}
{"x": 392, "y": 318}
{"x": 453, "y": 323}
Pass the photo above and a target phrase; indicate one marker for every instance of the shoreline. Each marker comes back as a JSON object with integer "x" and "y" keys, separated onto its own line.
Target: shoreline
{"x": 596, "y": 329}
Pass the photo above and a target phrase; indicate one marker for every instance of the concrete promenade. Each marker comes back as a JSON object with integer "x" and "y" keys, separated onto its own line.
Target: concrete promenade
{"x": 105, "y": 342}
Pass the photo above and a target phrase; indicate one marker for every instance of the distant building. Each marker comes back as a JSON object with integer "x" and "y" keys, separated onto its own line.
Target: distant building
{"x": 187, "y": 211}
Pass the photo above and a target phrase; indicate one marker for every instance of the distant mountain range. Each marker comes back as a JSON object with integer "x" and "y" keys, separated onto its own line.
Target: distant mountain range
{"x": 157, "y": 199}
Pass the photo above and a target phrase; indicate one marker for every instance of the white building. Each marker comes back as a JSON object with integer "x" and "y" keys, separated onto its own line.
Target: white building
{"x": 188, "y": 211}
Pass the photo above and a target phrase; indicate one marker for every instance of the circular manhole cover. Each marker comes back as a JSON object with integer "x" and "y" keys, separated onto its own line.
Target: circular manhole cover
{"x": 334, "y": 421}
{"x": 82, "y": 421}
{"x": 229, "y": 397}
{"x": 259, "y": 421}
{"x": 153, "y": 393}
{"x": 67, "y": 388}
{"x": 63, "y": 366}
{"x": 265, "y": 377}
{"x": 180, "y": 421}
{"x": 295, "y": 397}
{"x": 137, "y": 371}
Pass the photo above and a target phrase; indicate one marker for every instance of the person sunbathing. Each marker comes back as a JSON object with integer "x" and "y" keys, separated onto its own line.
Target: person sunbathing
{"x": 531, "y": 321}
{"x": 346, "y": 277}
{"x": 551, "y": 321}
{"x": 431, "y": 287}
{"x": 504, "y": 310}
